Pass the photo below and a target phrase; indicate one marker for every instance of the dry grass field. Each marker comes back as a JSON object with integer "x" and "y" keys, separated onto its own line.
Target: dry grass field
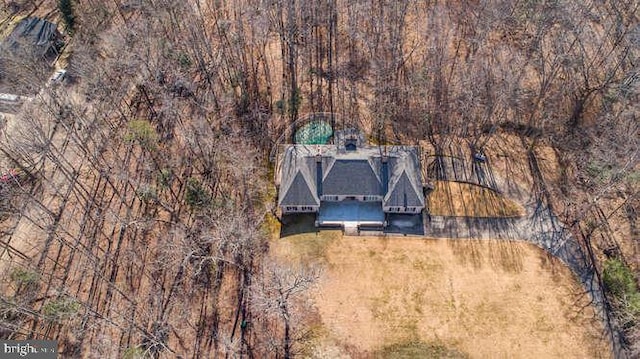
{"x": 464, "y": 199}
{"x": 415, "y": 298}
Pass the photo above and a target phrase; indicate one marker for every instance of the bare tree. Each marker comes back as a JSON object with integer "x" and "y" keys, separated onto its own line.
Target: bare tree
{"x": 280, "y": 296}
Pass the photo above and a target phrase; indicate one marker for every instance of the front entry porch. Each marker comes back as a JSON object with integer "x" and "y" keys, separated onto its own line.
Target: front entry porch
{"x": 351, "y": 213}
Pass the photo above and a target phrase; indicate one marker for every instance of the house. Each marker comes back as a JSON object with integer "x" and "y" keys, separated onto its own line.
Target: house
{"x": 35, "y": 35}
{"x": 26, "y": 55}
{"x": 349, "y": 183}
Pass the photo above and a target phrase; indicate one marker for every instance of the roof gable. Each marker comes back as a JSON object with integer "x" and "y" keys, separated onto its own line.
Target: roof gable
{"x": 299, "y": 193}
{"x": 403, "y": 194}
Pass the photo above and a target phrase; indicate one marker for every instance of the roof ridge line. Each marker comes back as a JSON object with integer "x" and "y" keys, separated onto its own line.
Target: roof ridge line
{"x": 311, "y": 188}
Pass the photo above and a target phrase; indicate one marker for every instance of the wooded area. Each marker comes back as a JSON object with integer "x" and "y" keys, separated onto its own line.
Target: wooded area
{"x": 137, "y": 223}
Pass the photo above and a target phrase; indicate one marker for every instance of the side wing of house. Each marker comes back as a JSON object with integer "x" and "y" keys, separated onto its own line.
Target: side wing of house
{"x": 405, "y": 193}
{"x": 298, "y": 189}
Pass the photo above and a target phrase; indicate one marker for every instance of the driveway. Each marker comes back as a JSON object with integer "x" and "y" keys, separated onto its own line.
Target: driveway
{"x": 541, "y": 227}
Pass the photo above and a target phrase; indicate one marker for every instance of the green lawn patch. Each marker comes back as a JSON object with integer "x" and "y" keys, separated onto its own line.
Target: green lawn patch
{"x": 620, "y": 281}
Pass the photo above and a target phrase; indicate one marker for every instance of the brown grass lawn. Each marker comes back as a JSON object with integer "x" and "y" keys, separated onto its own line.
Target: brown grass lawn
{"x": 465, "y": 199}
{"x": 415, "y": 298}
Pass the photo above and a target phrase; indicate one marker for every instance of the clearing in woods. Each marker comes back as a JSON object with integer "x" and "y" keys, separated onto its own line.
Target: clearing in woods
{"x": 417, "y": 297}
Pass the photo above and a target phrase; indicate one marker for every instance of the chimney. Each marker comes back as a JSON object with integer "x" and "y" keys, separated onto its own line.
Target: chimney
{"x": 319, "y": 175}
{"x": 350, "y": 144}
{"x": 385, "y": 175}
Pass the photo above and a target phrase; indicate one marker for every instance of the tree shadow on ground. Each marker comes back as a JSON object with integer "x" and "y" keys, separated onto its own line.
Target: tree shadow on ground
{"x": 293, "y": 224}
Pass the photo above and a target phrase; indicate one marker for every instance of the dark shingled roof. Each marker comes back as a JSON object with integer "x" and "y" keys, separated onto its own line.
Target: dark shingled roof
{"x": 351, "y": 177}
{"x": 299, "y": 193}
{"x": 34, "y": 31}
{"x": 403, "y": 194}
{"x": 350, "y": 173}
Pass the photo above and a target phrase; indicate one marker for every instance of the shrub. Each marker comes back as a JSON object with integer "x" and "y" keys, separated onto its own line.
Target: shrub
{"x": 143, "y": 133}
{"x": 61, "y": 308}
{"x": 184, "y": 60}
{"x": 165, "y": 177}
{"x": 146, "y": 193}
{"x": 599, "y": 171}
{"x": 197, "y": 195}
{"x": 23, "y": 276}
{"x": 66, "y": 8}
{"x": 281, "y": 107}
{"x": 620, "y": 281}
{"x": 295, "y": 100}
{"x": 633, "y": 178}
{"x": 134, "y": 353}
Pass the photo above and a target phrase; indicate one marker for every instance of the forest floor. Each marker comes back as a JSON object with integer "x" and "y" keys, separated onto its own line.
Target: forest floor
{"x": 477, "y": 298}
